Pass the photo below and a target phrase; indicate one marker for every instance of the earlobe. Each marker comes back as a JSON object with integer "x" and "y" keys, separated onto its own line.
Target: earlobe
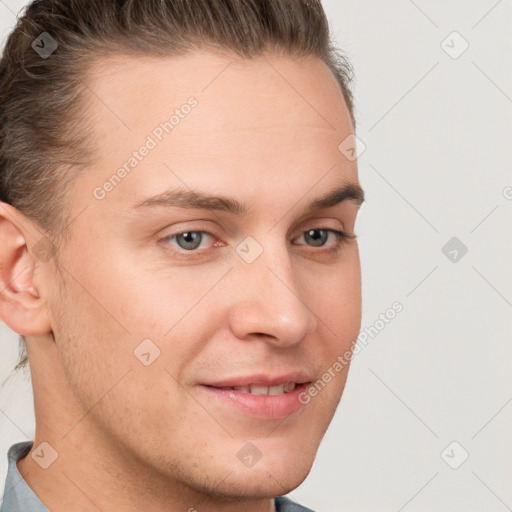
{"x": 21, "y": 305}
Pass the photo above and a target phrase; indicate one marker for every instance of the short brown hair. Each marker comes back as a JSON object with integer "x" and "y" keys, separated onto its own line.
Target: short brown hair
{"x": 45, "y": 139}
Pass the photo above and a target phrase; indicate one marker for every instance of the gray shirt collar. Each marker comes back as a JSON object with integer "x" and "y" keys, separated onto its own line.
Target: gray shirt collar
{"x": 18, "y": 496}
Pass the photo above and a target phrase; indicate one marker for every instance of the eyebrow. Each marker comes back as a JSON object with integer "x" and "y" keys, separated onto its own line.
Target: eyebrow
{"x": 198, "y": 200}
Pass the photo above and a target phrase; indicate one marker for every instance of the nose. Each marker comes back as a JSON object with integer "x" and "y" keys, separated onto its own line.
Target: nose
{"x": 269, "y": 303}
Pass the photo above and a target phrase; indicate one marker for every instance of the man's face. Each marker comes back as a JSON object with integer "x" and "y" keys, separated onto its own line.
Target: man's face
{"x": 263, "y": 298}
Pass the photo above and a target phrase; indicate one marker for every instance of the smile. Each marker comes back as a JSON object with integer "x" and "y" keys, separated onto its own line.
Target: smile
{"x": 257, "y": 389}
{"x": 259, "y": 396}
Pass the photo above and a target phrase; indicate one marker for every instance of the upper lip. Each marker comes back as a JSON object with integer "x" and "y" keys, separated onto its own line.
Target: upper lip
{"x": 261, "y": 379}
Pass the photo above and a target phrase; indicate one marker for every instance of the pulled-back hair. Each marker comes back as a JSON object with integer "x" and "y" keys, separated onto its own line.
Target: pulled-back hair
{"x": 45, "y": 134}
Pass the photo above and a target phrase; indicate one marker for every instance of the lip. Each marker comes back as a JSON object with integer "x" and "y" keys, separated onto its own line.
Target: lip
{"x": 269, "y": 407}
{"x": 261, "y": 379}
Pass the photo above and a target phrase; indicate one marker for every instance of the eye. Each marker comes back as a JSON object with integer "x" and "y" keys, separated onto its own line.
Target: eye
{"x": 317, "y": 237}
{"x": 198, "y": 241}
{"x": 189, "y": 240}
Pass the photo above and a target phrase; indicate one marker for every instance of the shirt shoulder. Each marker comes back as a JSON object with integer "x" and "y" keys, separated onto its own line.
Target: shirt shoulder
{"x": 18, "y": 496}
{"x": 285, "y": 505}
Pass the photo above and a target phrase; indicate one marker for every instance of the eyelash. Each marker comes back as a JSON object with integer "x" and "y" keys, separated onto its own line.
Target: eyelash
{"x": 342, "y": 237}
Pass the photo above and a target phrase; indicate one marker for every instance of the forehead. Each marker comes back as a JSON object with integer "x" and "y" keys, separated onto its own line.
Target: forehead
{"x": 129, "y": 93}
{"x": 264, "y": 119}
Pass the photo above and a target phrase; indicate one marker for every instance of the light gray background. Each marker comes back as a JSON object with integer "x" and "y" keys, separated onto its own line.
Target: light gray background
{"x": 438, "y": 157}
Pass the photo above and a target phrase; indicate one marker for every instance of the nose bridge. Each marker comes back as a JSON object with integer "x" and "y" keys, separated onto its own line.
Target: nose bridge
{"x": 270, "y": 301}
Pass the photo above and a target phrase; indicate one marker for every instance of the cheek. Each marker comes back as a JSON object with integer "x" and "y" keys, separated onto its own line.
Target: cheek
{"x": 101, "y": 343}
{"x": 337, "y": 300}
{"x": 91, "y": 339}
{"x": 125, "y": 313}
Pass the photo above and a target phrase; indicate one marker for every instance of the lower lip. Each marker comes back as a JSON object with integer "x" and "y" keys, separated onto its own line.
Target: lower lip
{"x": 260, "y": 406}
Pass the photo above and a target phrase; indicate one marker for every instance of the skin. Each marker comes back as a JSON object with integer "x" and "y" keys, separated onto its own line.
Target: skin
{"x": 134, "y": 437}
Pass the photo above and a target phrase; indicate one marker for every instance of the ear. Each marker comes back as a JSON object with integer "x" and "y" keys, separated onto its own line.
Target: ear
{"x": 22, "y": 307}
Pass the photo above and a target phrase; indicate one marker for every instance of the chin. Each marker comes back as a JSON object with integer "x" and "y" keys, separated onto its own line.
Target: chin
{"x": 279, "y": 470}
{"x": 261, "y": 483}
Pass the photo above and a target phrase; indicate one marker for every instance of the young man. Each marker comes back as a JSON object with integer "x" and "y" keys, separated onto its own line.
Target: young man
{"x": 177, "y": 250}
